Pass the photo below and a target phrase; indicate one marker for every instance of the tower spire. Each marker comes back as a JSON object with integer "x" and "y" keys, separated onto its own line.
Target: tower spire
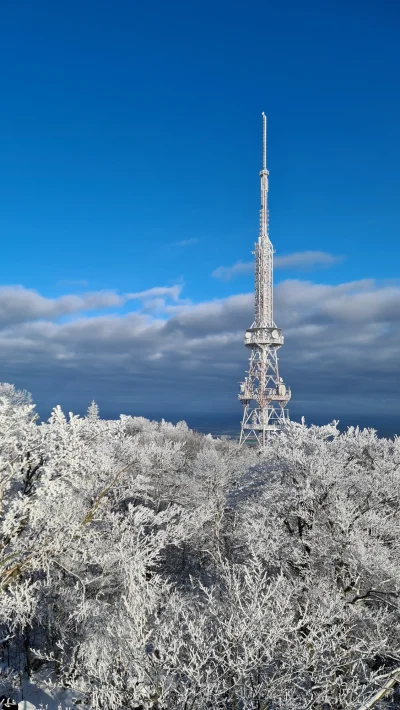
{"x": 264, "y": 252}
{"x": 264, "y": 185}
{"x": 264, "y": 141}
{"x": 263, "y": 386}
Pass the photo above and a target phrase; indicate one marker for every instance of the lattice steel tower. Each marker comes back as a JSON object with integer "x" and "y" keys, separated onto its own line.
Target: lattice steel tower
{"x": 263, "y": 393}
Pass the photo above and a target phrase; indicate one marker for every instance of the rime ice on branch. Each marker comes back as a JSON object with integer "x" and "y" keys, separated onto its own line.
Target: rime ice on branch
{"x": 263, "y": 393}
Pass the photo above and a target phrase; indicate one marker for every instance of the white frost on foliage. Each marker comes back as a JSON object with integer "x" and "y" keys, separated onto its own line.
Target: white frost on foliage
{"x": 143, "y": 565}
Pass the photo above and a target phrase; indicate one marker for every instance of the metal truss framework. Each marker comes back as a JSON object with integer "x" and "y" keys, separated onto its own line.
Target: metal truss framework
{"x": 263, "y": 394}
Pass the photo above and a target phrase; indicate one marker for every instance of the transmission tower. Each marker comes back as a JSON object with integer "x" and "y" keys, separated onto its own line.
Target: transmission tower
{"x": 263, "y": 394}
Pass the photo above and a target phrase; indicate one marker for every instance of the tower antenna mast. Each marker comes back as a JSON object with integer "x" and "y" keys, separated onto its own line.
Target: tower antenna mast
{"x": 264, "y": 141}
{"x": 263, "y": 394}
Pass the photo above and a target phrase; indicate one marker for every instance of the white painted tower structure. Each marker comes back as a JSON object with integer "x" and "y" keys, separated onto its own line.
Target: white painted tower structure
{"x": 263, "y": 394}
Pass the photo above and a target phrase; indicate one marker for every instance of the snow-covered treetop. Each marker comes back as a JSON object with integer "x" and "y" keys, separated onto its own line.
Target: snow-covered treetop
{"x": 155, "y": 567}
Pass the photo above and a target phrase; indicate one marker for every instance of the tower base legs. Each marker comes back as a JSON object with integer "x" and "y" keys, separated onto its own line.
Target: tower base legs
{"x": 264, "y": 397}
{"x": 260, "y": 424}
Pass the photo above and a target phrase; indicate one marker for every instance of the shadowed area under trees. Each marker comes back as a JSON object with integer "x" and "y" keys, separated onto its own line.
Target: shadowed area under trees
{"x": 149, "y": 567}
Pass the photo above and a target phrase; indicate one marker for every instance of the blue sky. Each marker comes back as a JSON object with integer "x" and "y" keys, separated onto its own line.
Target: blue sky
{"x": 130, "y": 155}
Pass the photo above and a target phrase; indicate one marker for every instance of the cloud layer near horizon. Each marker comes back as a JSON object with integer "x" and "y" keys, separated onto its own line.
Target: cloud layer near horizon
{"x": 342, "y": 348}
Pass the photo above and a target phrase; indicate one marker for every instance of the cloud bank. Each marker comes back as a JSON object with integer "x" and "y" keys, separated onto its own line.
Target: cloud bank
{"x": 169, "y": 356}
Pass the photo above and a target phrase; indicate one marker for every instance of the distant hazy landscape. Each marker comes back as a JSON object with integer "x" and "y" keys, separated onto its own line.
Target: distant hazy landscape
{"x": 386, "y": 426}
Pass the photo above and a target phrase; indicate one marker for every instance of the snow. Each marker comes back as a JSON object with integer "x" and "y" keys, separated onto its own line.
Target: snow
{"x": 32, "y": 696}
{"x": 35, "y": 697}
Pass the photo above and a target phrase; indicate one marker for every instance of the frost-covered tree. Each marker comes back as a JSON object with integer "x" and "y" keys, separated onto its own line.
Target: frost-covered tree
{"x": 93, "y": 412}
{"x": 150, "y": 567}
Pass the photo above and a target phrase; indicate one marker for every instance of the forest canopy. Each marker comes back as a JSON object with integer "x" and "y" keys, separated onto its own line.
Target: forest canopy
{"x": 149, "y": 567}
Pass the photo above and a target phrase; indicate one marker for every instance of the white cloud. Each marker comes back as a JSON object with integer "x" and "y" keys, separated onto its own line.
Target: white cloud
{"x": 305, "y": 260}
{"x": 228, "y": 272}
{"x": 18, "y": 305}
{"x": 342, "y": 344}
{"x": 172, "y": 292}
{"x": 185, "y": 242}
